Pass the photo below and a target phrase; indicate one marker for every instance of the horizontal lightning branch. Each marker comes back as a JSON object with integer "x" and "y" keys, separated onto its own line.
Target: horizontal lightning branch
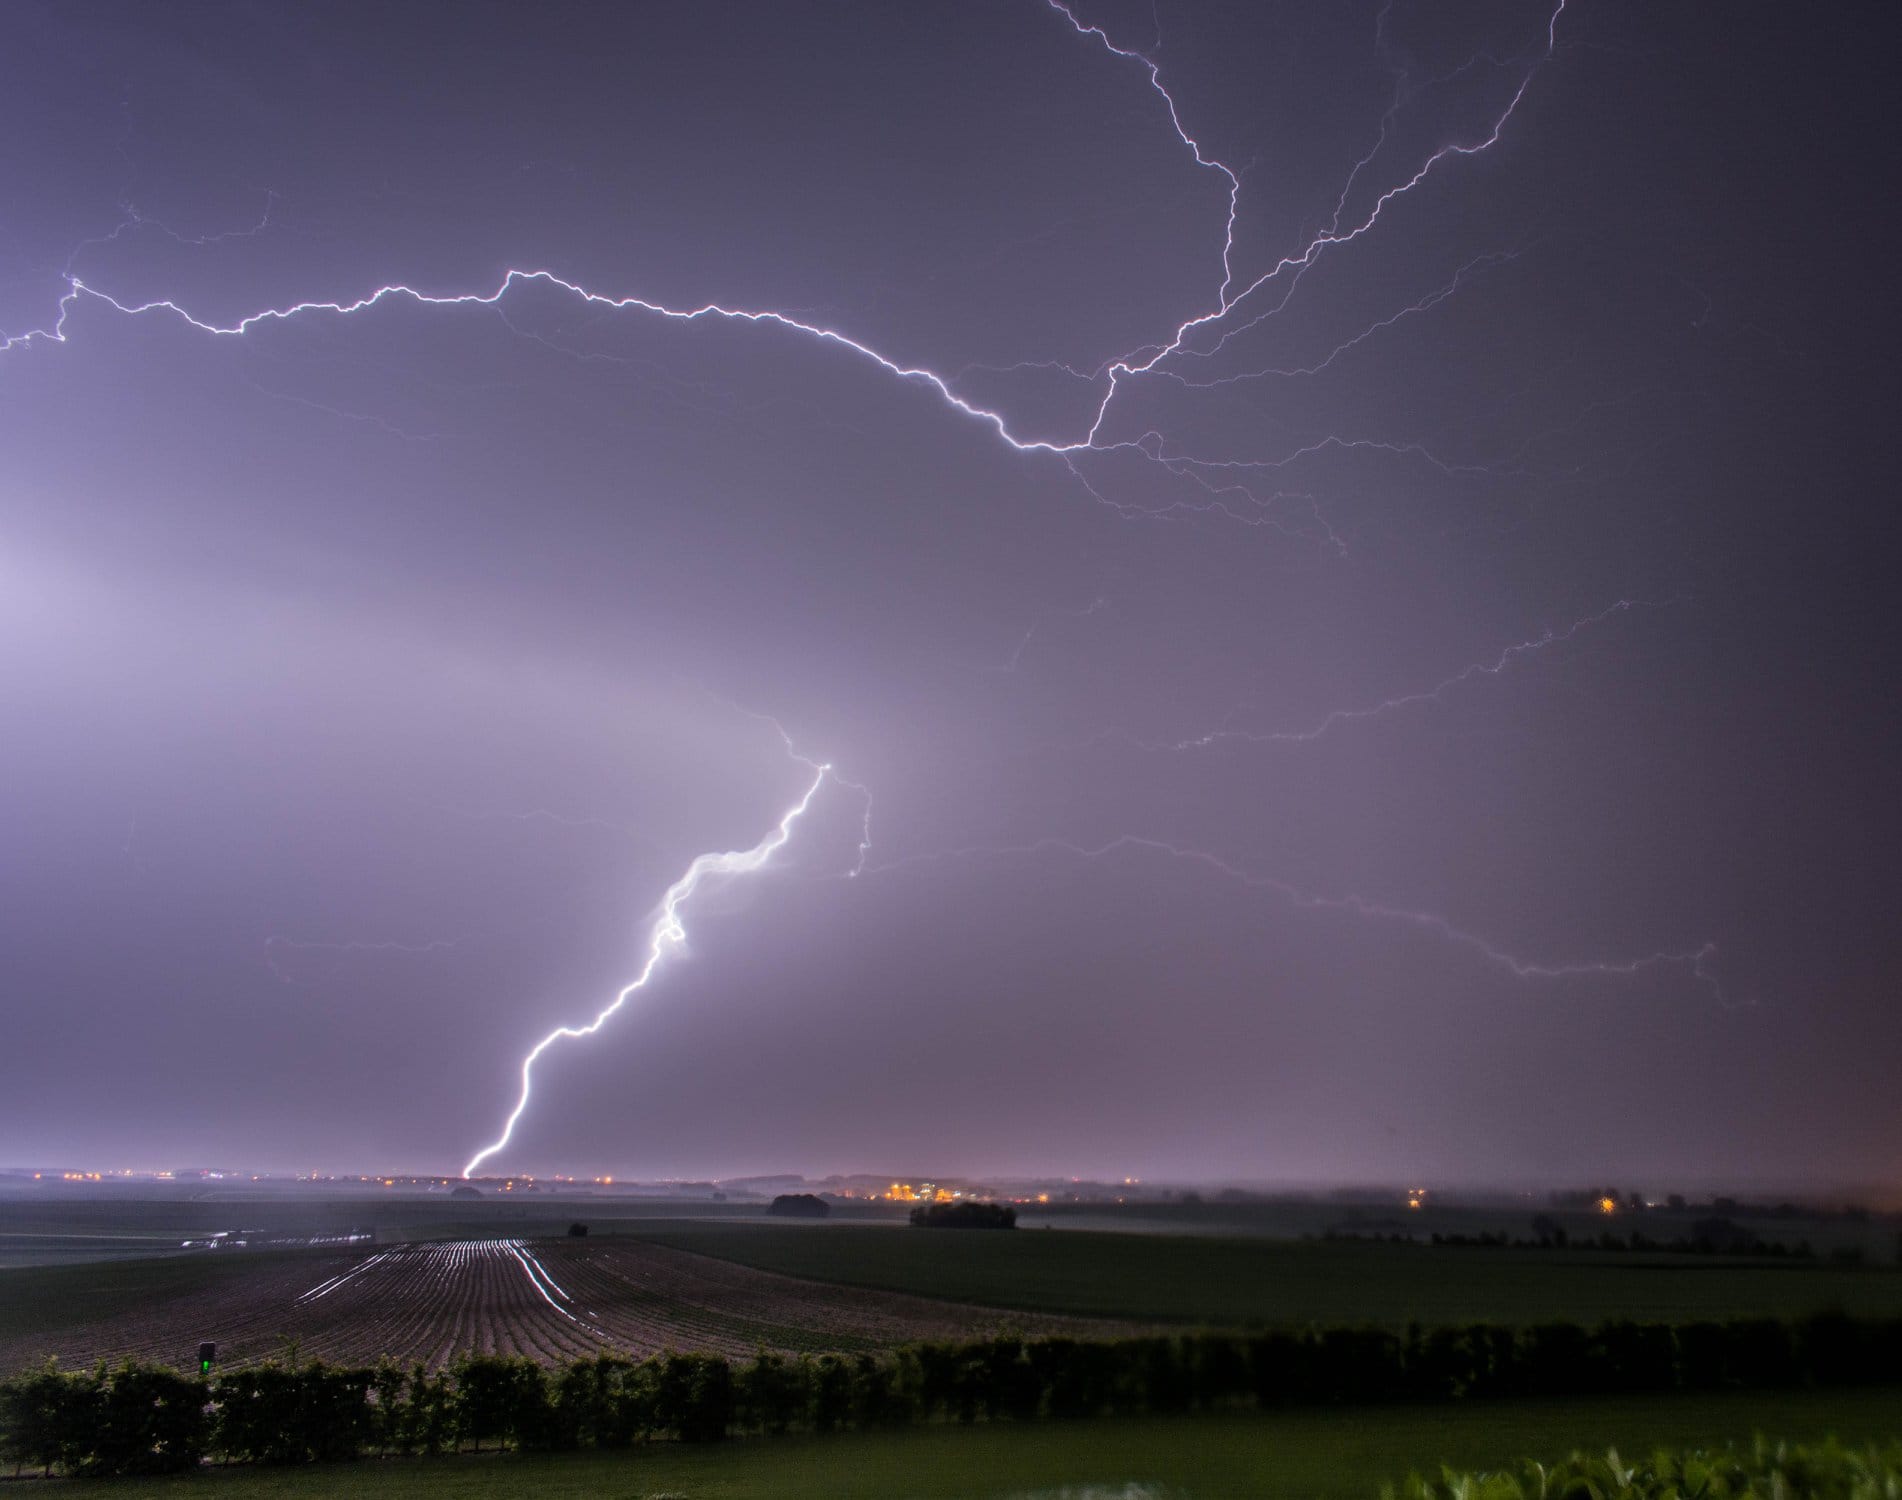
{"x": 1697, "y": 961}
{"x": 1112, "y": 376}
{"x": 1475, "y": 671}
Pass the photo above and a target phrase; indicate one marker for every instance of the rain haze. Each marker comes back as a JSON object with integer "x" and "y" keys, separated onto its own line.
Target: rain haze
{"x": 1338, "y": 557}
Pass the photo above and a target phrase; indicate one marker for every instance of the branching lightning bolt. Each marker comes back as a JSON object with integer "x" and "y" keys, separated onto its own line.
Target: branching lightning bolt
{"x": 1096, "y": 605}
{"x": 1225, "y": 482}
{"x": 665, "y": 937}
{"x": 1113, "y": 375}
{"x": 1697, "y": 961}
{"x": 1474, "y": 671}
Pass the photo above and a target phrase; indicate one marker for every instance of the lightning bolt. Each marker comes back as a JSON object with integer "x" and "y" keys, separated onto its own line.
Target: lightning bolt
{"x": 1226, "y": 484}
{"x": 1494, "y": 667}
{"x": 1113, "y": 376}
{"x": 1696, "y": 961}
{"x": 668, "y": 935}
{"x": 1475, "y": 267}
{"x": 134, "y": 220}
{"x": 1096, "y": 605}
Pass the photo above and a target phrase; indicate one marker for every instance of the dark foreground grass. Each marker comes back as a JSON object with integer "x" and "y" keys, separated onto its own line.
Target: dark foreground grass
{"x": 1312, "y": 1455}
{"x": 1194, "y": 1279}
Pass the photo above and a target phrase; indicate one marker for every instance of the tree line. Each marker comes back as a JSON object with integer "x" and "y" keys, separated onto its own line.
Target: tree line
{"x": 1712, "y": 1237}
{"x": 145, "y": 1418}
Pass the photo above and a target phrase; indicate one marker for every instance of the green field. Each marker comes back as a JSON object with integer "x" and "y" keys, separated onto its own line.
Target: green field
{"x": 1188, "y": 1279}
{"x": 1310, "y": 1455}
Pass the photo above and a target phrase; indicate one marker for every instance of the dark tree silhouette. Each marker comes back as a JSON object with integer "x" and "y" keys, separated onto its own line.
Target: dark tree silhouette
{"x": 966, "y": 1215}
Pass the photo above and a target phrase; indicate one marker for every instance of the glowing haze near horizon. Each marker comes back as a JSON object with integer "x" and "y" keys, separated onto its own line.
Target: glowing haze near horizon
{"x": 1277, "y": 592}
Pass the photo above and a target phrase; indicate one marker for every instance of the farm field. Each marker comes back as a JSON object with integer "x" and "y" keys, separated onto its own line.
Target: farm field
{"x": 434, "y": 1278}
{"x": 1190, "y": 1279}
{"x": 1292, "y": 1456}
{"x": 61, "y": 1228}
{"x": 431, "y": 1300}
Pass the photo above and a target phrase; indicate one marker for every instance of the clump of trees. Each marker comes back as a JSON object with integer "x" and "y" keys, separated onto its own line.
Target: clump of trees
{"x": 145, "y": 1419}
{"x": 967, "y": 1213}
{"x": 800, "y": 1206}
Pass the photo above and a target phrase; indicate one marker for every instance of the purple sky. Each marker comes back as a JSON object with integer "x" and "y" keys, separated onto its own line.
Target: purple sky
{"x": 1433, "y": 718}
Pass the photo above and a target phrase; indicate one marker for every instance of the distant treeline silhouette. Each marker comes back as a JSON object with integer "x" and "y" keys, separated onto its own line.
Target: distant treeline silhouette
{"x": 1709, "y": 1237}
{"x": 142, "y": 1418}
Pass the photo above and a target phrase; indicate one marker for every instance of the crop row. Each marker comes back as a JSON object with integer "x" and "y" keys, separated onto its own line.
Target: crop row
{"x": 549, "y": 1301}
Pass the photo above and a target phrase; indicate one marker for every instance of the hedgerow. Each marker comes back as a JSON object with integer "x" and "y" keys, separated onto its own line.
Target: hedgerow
{"x": 144, "y": 1418}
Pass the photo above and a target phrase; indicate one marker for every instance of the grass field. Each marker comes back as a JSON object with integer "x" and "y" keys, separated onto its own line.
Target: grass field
{"x": 1315, "y": 1456}
{"x": 1181, "y": 1278}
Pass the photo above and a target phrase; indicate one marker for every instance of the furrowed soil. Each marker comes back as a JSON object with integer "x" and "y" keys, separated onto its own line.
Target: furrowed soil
{"x": 551, "y": 1300}
{"x": 1331, "y": 1455}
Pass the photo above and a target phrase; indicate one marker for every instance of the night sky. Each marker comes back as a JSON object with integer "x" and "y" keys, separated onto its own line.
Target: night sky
{"x": 1415, "y": 703}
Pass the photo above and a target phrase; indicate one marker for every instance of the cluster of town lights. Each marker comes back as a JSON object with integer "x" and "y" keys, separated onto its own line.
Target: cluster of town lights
{"x": 925, "y": 1192}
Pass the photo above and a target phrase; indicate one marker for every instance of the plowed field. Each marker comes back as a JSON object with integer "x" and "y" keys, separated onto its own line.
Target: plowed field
{"x": 548, "y": 1299}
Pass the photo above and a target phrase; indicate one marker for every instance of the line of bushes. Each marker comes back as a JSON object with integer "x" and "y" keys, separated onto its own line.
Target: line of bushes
{"x": 142, "y": 1418}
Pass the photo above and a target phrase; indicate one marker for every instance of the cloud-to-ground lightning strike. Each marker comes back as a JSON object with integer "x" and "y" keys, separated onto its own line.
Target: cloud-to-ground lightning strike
{"x": 666, "y": 936}
{"x": 1235, "y": 308}
{"x": 1113, "y": 375}
{"x": 1696, "y": 960}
